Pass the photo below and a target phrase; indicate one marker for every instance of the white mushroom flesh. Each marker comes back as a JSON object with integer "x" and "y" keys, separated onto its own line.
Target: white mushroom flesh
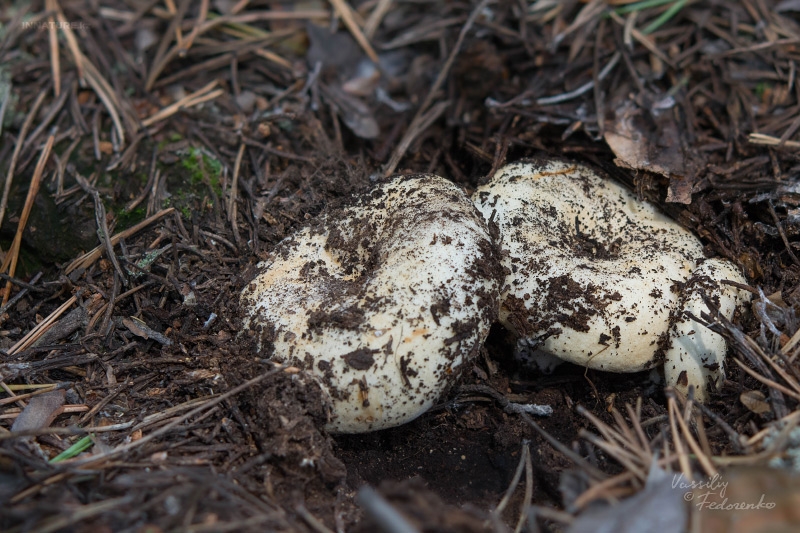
{"x": 384, "y": 300}
{"x": 696, "y": 355}
{"x": 595, "y": 273}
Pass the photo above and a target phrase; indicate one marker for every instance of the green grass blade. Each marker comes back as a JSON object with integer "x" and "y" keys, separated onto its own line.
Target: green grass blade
{"x": 638, "y": 6}
{"x": 75, "y": 449}
{"x": 664, "y": 17}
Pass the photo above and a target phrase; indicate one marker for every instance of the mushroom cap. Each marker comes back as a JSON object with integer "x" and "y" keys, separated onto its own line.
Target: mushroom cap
{"x": 696, "y": 355}
{"x": 382, "y": 300}
{"x": 593, "y": 270}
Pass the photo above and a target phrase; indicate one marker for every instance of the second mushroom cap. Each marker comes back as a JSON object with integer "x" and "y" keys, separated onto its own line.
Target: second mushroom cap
{"x": 595, "y": 274}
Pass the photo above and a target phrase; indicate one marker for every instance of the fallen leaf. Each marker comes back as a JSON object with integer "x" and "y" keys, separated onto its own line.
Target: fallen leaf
{"x": 755, "y": 401}
{"x": 140, "y": 329}
{"x": 658, "y": 507}
{"x": 777, "y": 299}
{"x": 135, "y": 328}
{"x": 337, "y": 52}
{"x": 355, "y": 114}
{"x": 40, "y": 412}
{"x": 647, "y": 137}
{"x": 680, "y": 190}
{"x": 754, "y": 499}
{"x": 197, "y": 375}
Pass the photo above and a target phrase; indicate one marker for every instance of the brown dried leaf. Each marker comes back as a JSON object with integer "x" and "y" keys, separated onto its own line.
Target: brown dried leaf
{"x": 680, "y": 190}
{"x": 40, "y": 412}
{"x": 648, "y": 138}
{"x": 135, "y": 328}
{"x": 139, "y": 328}
{"x": 755, "y": 401}
{"x": 659, "y": 507}
{"x": 338, "y": 52}
{"x": 748, "y": 499}
{"x": 200, "y": 374}
{"x": 356, "y": 114}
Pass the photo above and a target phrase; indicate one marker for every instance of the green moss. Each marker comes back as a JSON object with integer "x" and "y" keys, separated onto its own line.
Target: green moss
{"x": 761, "y": 89}
{"x": 182, "y": 201}
{"x": 128, "y": 186}
{"x": 126, "y": 219}
{"x": 143, "y": 264}
{"x": 194, "y": 181}
{"x": 210, "y": 168}
{"x": 173, "y": 138}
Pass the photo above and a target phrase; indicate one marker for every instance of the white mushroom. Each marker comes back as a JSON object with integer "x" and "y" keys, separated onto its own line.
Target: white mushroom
{"x": 696, "y": 355}
{"x": 595, "y": 273}
{"x": 383, "y": 301}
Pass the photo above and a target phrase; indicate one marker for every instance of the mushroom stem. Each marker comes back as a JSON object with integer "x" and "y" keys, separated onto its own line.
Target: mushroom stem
{"x": 696, "y": 354}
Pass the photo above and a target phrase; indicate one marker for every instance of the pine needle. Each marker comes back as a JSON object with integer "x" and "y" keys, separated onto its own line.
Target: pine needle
{"x": 10, "y": 261}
